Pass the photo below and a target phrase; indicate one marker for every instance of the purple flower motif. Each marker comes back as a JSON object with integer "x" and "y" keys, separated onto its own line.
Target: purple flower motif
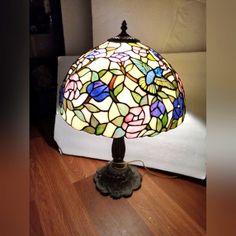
{"x": 157, "y": 109}
{"x": 98, "y": 91}
{"x": 101, "y": 52}
{"x": 179, "y": 107}
{"x": 119, "y": 57}
{"x": 156, "y": 54}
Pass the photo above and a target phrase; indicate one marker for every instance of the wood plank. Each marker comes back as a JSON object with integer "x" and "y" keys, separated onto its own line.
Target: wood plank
{"x": 60, "y": 208}
{"x": 161, "y": 213}
{"x": 110, "y": 217}
{"x": 35, "y": 229}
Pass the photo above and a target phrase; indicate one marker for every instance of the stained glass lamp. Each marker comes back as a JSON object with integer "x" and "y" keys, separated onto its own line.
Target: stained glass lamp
{"x": 121, "y": 89}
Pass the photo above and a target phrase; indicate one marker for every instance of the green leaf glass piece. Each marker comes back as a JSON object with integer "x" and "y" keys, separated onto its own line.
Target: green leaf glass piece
{"x": 144, "y": 101}
{"x": 129, "y": 67}
{"x": 92, "y": 108}
{"x": 164, "y": 119}
{"x": 162, "y": 94}
{"x": 64, "y": 104}
{"x": 116, "y": 72}
{"x": 144, "y": 68}
{"x": 94, "y": 122}
{"x": 159, "y": 125}
{"x": 118, "y": 89}
{"x": 118, "y": 121}
{"x": 79, "y": 114}
{"x": 154, "y": 134}
{"x": 136, "y": 97}
{"x": 62, "y": 111}
{"x": 100, "y": 128}
{"x": 101, "y": 73}
{"x": 95, "y": 76}
{"x": 124, "y": 109}
{"x": 174, "y": 124}
{"x": 164, "y": 83}
{"x": 89, "y": 129}
{"x": 83, "y": 89}
{"x": 175, "y": 83}
{"x": 69, "y": 105}
{"x": 113, "y": 96}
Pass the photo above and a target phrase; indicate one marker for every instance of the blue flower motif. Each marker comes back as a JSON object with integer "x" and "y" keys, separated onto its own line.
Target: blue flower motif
{"x": 152, "y": 74}
{"x": 157, "y": 109}
{"x": 61, "y": 96}
{"x": 179, "y": 107}
{"x": 98, "y": 91}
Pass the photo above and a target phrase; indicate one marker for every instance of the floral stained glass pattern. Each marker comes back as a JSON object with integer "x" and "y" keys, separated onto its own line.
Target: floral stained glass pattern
{"x": 122, "y": 89}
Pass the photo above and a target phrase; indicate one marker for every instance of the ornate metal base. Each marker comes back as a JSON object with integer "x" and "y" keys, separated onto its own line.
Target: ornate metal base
{"x": 117, "y": 182}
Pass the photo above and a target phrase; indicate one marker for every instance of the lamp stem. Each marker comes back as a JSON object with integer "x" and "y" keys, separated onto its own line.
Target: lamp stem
{"x": 118, "y": 150}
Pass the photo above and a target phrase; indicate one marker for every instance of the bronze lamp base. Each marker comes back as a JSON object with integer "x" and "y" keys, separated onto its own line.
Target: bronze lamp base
{"x": 117, "y": 179}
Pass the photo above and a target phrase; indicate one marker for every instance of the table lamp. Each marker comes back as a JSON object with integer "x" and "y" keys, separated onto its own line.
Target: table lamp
{"x": 121, "y": 89}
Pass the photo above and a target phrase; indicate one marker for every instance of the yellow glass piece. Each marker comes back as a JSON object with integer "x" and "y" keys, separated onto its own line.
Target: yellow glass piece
{"x": 113, "y": 112}
{"x": 87, "y": 114}
{"x": 113, "y": 45}
{"x": 153, "y": 64}
{"x": 69, "y": 116}
{"x": 86, "y": 78}
{"x": 106, "y": 78}
{"x": 136, "y": 73}
{"x": 104, "y": 105}
{"x": 170, "y": 114}
{"x": 84, "y": 62}
{"x": 77, "y": 102}
{"x": 126, "y": 98}
{"x": 150, "y": 99}
{"x": 119, "y": 80}
{"x": 130, "y": 84}
{"x": 110, "y": 129}
{"x": 124, "y": 47}
{"x": 83, "y": 71}
{"x": 114, "y": 65}
{"x": 169, "y": 92}
{"x": 171, "y": 78}
{"x": 99, "y": 64}
{"x": 140, "y": 91}
{"x": 180, "y": 120}
{"x": 78, "y": 124}
{"x": 102, "y": 117}
{"x": 153, "y": 123}
{"x": 168, "y": 104}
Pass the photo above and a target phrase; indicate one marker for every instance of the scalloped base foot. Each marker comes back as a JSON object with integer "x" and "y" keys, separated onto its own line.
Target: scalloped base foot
{"x": 117, "y": 182}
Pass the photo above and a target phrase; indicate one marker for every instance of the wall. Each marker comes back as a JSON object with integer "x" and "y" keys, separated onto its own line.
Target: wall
{"x": 77, "y": 26}
{"x": 166, "y": 25}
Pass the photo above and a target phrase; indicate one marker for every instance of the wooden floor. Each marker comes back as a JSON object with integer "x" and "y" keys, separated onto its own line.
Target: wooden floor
{"x": 64, "y": 201}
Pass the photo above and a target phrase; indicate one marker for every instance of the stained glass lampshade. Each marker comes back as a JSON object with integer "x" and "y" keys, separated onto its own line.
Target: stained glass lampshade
{"x": 119, "y": 89}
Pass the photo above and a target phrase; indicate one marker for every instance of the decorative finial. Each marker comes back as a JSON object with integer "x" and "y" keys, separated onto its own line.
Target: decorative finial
{"x": 124, "y": 27}
{"x": 123, "y": 36}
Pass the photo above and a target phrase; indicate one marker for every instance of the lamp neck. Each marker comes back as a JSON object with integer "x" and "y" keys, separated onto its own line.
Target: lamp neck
{"x": 118, "y": 150}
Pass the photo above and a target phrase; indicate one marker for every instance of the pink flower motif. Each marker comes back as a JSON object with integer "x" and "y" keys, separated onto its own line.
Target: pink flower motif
{"x": 142, "y": 52}
{"x": 136, "y": 121}
{"x": 162, "y": 65}
{"x": 180, "y": 84}
{"x": 72, "y": 87}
